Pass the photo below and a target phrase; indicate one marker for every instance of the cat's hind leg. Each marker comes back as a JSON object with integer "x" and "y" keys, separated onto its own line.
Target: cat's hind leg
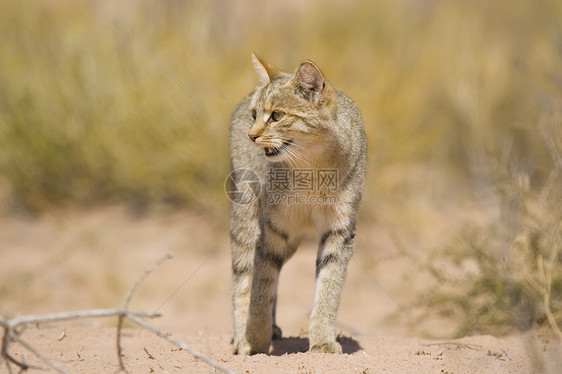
{"x": 290, "y": 249}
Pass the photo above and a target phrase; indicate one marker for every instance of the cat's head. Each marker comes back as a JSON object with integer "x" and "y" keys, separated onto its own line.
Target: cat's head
{"x": 290, "y": 114}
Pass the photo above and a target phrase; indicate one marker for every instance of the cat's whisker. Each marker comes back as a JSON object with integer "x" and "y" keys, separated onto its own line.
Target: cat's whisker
{"x": 291, "y": 156}
{"x": 307, "y": 154}
{"x": 292, "y": 161}
{"x": 299, "y": 157}
{"x": 306, "y": 159}
{"x": 296, "y": 145}
{"x": 309, "y": 159}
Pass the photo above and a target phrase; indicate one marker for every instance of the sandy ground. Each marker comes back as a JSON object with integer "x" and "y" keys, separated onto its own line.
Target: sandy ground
{"x": 79, "y": 261}
{"x": 92, "y": 350}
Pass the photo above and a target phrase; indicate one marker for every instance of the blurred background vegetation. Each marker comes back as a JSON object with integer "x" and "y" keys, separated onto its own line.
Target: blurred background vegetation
{"x": 104, "y": 102}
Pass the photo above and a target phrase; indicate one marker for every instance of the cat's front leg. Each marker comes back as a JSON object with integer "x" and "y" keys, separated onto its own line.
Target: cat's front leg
{"x": 336, "y": 249}
{"x": 268, "y": 259}
{"x": 241, "y": 287}
{"x": 244, "y": 234}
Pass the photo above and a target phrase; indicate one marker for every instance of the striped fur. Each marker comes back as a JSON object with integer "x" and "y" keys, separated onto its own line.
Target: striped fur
{"x": 293, "y": 122}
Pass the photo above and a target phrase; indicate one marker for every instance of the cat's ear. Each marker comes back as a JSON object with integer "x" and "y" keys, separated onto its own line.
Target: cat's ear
{"x": 309, "y": 81}
{"x": 266, "y": 72}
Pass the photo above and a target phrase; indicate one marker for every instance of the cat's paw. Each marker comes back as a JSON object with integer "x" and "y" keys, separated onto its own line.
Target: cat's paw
{"x": 257, "y": 350}
{"x": 277, "y": 333}
{"x": 257, "y": 347}
{"x": 241, "y": 347}
{"x": 328, "y": 347}
{"x": 259, "y": 337}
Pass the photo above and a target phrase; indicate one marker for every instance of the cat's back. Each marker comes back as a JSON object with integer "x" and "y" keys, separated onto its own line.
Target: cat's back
{"x": 240, "y": 117}
{"x": 348, "y": 115}
{"x": 243, "y": 154}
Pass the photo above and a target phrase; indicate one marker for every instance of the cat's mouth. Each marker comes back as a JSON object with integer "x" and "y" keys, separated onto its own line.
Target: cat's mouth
{"x": 271, "y": 152}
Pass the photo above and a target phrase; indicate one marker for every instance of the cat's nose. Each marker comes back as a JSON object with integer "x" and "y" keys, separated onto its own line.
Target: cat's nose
{"x": 253, "y": 137}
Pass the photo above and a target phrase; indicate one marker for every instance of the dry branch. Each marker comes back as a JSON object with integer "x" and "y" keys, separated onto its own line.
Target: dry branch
{"x": 12, "y": 329}
{"x": 125, "y": 307}
{"x": 458, "y": 345}
{"x": 178, "y": 343}
{"x": 11, "y": 332}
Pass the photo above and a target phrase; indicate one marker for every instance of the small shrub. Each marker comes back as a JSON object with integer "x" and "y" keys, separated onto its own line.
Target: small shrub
{"x": 506, "y": 274}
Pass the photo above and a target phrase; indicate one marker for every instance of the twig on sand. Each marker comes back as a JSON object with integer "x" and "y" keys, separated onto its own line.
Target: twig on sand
{"x": 179, "y": 344}
{"x": 506, "y": 354}
{"x": 125, "y": 307}
{"x": 458, "y": 345}
{"x": 12, "y": 334}
{"x": 12, "y": 329}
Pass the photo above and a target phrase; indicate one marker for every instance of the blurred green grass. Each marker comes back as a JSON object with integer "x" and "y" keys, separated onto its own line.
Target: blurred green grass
{"x": 93, "y": 107}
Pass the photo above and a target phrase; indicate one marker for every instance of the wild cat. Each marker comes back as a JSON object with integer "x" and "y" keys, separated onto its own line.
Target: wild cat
{"x": 305, "y": 145}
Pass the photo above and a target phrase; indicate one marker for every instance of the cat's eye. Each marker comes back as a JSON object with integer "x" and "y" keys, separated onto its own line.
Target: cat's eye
{"x": 254, "y": 114}
{"x": 276, "y": 116}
